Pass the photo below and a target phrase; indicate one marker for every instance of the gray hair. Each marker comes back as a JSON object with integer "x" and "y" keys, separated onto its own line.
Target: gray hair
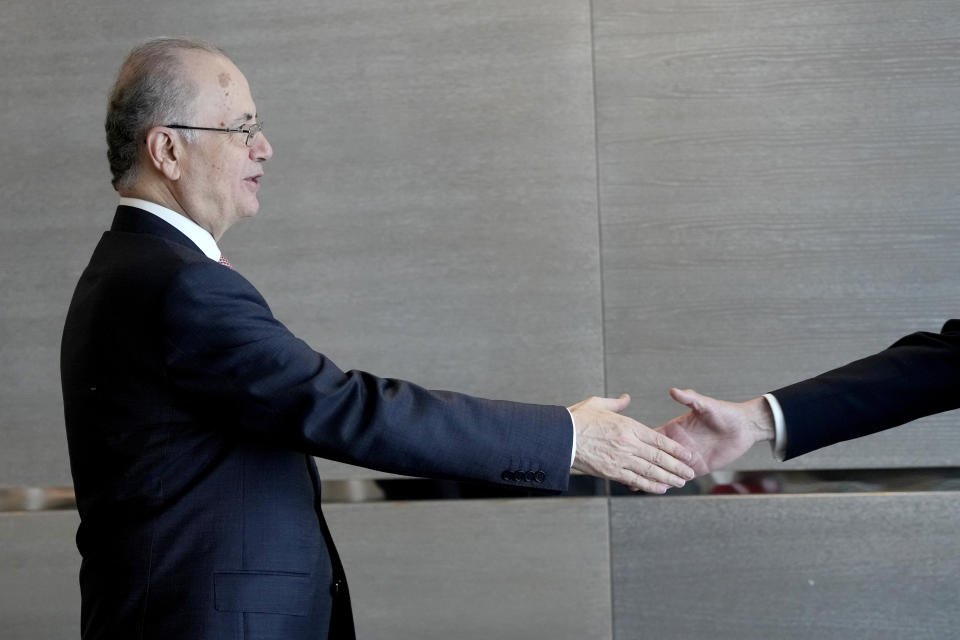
{"x": 152, "y": 89}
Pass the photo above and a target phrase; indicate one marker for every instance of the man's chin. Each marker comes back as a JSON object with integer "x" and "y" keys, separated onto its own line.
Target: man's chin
{"x": 250, "y": 211}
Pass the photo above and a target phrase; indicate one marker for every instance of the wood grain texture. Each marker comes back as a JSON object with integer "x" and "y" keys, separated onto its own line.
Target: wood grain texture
{"x": 778, "y": 197}
{"x": 441, "y": 224}
{"x": 430, "y": 212}
{"x": 39, "y": 590}
{"x": 440, "y": 201}
{"x": 828, "y": 566}
{"x": 477, "y": 569}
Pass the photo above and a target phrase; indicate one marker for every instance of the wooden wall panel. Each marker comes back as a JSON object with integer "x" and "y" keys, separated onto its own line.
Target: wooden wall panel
{"x": 441, "y": 218}
{"x": 39, "y": 569}
{"x": 430, "y": 212}
{"x": 433, "y": 192}
{"x": 821, "y": 566}
{"x": 778, "y": 197}
{"x": 477, "y": 568}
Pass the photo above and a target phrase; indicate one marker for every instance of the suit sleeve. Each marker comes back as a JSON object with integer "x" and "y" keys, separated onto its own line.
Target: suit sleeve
{"x": 919, "y": 375}
{"x": 229, "y": 357}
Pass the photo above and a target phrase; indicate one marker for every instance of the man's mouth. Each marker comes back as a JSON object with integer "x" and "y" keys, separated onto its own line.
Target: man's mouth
{"x": 255, "y": 180}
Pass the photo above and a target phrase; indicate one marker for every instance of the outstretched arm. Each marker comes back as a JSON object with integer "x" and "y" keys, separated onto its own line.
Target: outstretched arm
{"x": 718, "y": 432}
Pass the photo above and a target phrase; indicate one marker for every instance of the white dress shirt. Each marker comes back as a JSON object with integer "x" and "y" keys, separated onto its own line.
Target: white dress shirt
{"x": 779, "y": 444}
{"x": 200, "y": 236}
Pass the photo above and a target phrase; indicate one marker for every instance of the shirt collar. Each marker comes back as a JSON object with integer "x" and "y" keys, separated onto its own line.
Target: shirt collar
{"x": 200, "y": 236}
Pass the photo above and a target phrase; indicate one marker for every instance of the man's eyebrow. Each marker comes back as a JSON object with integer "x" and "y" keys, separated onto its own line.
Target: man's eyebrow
{"x": 243, "y": 119}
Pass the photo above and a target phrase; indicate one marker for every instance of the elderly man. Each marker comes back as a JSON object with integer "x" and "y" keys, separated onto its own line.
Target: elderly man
{"x": 192, "y": 413}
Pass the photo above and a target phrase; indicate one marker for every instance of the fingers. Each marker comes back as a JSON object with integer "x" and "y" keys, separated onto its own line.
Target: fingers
{"x": 647, "y": 486}
{"x": 639, "y": 483}
{"x": 643, "y": 474}
{"x": 676, "y": 451}
{"x": 660, "y": 461}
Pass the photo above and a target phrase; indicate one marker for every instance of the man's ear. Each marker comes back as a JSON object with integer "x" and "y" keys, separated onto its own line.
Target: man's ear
{"x": 165, "y": 152}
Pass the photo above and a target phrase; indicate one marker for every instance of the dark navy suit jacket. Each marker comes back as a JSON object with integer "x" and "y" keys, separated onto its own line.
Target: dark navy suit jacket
{"x": 917, "y": 376}
{"x": 192, "y": 415}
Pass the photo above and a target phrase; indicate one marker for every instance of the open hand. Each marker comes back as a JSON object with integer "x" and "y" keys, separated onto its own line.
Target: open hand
{"x": 619, "y": 448}
{"x": 718, "y": 432}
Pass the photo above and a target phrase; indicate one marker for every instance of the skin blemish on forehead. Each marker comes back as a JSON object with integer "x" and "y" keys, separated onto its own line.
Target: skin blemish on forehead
{"x": 224, "y": 79}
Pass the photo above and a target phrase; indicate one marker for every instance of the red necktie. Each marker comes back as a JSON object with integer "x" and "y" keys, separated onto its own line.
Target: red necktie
{"x": 225, "y": 262}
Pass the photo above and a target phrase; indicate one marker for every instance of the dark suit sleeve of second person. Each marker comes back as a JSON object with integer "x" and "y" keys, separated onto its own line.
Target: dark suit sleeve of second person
{"x": 229, "y": 355}
{"x": 917, "y": 376}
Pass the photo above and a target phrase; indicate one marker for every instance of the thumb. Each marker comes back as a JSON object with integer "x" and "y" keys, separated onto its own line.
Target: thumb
{"x": 612, "y": 404}
{"x": 687, "y": 397}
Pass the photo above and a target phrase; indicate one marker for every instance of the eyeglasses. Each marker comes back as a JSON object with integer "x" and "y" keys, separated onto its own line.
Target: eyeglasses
{"x": 251, "y": 130}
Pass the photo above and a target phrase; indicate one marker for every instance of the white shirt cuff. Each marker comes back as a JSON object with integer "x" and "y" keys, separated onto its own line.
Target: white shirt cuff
{"x": 573, "y": 452}
{"x": 779, "y": 444}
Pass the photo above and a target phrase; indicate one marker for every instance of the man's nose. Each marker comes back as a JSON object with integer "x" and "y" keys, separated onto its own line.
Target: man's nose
{"x": 261, "y": 149}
